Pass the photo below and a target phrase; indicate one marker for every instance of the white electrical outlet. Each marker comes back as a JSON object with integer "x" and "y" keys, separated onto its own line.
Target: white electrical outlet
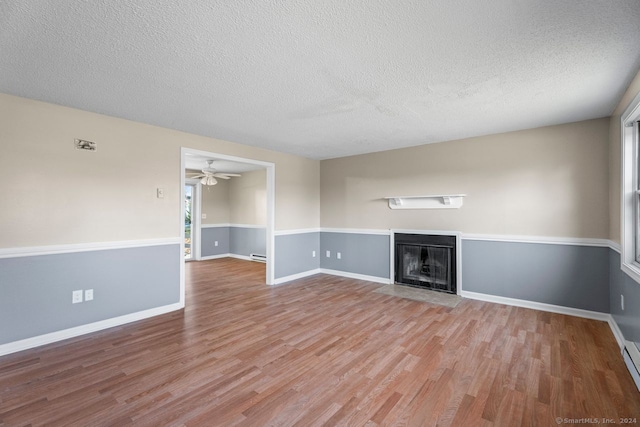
{"x": 215, "y": 243}
{"x": 204, "y": 216}
{"x": 313, "y": 254}
{"x": 339, "y": 255}
{"x": 88, "y": 294}
{"x": 622, "y": 302}
{"x": 76, "y": 297}
{"x": 328, "y": 254}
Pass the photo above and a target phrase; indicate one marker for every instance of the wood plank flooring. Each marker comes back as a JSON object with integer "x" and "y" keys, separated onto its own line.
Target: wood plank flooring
{"x": 321, "y": 351}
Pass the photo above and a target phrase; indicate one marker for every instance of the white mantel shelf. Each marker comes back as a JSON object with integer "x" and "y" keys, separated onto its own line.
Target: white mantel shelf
{"x": 439, "y": 201}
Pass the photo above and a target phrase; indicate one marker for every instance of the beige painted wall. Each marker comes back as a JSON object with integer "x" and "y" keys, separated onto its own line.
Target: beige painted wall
{"x": 615, "y": 177}
{"x": 240, "y": 200}
{"x": 550, "y": 181}
{"x": 215, "y": 203}
{"x": 54, "y": 194}
{"x": 248, "y": 198}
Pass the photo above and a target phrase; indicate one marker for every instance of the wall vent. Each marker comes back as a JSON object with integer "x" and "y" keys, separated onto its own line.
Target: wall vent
{"x": 258, "y": 257}
{"x": 631, "y": 356}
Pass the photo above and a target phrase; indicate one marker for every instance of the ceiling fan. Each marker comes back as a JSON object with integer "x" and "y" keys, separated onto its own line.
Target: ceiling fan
{"x": 209, "y": 174}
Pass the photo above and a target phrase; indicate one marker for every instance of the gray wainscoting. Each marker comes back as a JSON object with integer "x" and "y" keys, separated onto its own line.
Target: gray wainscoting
{"x": 36, "y": 290}
{"x": 210, "y": 236}
{"x": 620, "y": 284}
{"x": 366, "y": 254}
{"x": 294, "y": 253}
{"x": 565, "y": 275}
{"x": 246, "y": 241}
{"x": 233, "y": 240}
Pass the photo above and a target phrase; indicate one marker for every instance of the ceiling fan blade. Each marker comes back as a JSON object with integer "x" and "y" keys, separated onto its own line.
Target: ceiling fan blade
{"x": 217, "y": 175}
{"x": 220, "y": 174}
{"x": 197, "y": 176}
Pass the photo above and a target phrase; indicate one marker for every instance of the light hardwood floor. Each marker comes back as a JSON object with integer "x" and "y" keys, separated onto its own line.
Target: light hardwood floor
{"x": 322, "y": 350}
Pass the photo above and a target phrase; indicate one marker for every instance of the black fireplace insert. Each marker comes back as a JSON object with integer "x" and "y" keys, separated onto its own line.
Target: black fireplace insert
{"x": 426, "y": 261}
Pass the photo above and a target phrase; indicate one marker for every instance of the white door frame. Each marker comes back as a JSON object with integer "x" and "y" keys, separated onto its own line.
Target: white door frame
{"x": 271, "y": 203}
{"x": 196, "y": 214}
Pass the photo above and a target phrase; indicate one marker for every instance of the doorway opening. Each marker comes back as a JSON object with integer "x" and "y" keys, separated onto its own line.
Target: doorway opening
{"x": 205, "y": 232}
{"x": 190, "y": 238}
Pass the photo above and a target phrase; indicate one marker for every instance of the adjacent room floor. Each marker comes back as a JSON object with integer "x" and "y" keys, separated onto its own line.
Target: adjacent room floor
{"x": 322, "y": 350}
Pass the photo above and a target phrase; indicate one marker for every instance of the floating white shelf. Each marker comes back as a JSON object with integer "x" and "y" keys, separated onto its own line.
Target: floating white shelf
{"x": 443, "y": 201}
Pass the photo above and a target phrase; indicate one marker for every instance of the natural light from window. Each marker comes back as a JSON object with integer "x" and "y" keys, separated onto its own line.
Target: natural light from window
{"x": 630, "y": 238}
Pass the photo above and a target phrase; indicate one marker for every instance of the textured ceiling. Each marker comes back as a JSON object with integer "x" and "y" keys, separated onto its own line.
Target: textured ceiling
{"x": 325, "y": 78}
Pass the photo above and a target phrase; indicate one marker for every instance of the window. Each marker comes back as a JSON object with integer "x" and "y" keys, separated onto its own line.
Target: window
{"x": 630, "y": 225}
{"x": 636, "y": 189}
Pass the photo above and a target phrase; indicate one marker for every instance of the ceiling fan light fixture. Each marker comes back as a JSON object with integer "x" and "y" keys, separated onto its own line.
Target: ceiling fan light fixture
{"x": 208, "y": 180}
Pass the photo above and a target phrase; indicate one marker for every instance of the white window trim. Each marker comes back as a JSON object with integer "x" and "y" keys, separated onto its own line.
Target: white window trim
{"x": 629, "y": 187}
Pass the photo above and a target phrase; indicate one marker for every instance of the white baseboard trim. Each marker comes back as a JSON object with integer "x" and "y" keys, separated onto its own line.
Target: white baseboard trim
{"x": 228, "y": 255}
{"x": 384, "y": 280}
{"x": 617, "y": 333}
{"x": 52, "y": 337}
{"x": 244, "y": 257}
{"x": 296, "y": 276}
{"x": 587, "y": 314}
{"x": 577, "y": 312}
{"x": 206, "y": 258}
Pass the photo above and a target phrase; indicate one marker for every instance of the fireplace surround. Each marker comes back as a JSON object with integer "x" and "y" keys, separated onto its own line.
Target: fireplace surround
{"x": 426, "y": 261}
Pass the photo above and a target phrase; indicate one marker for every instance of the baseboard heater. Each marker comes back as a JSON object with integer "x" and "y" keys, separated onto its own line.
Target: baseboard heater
{"x": 631, "y": 356}
{"x": 258, "y": 257}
